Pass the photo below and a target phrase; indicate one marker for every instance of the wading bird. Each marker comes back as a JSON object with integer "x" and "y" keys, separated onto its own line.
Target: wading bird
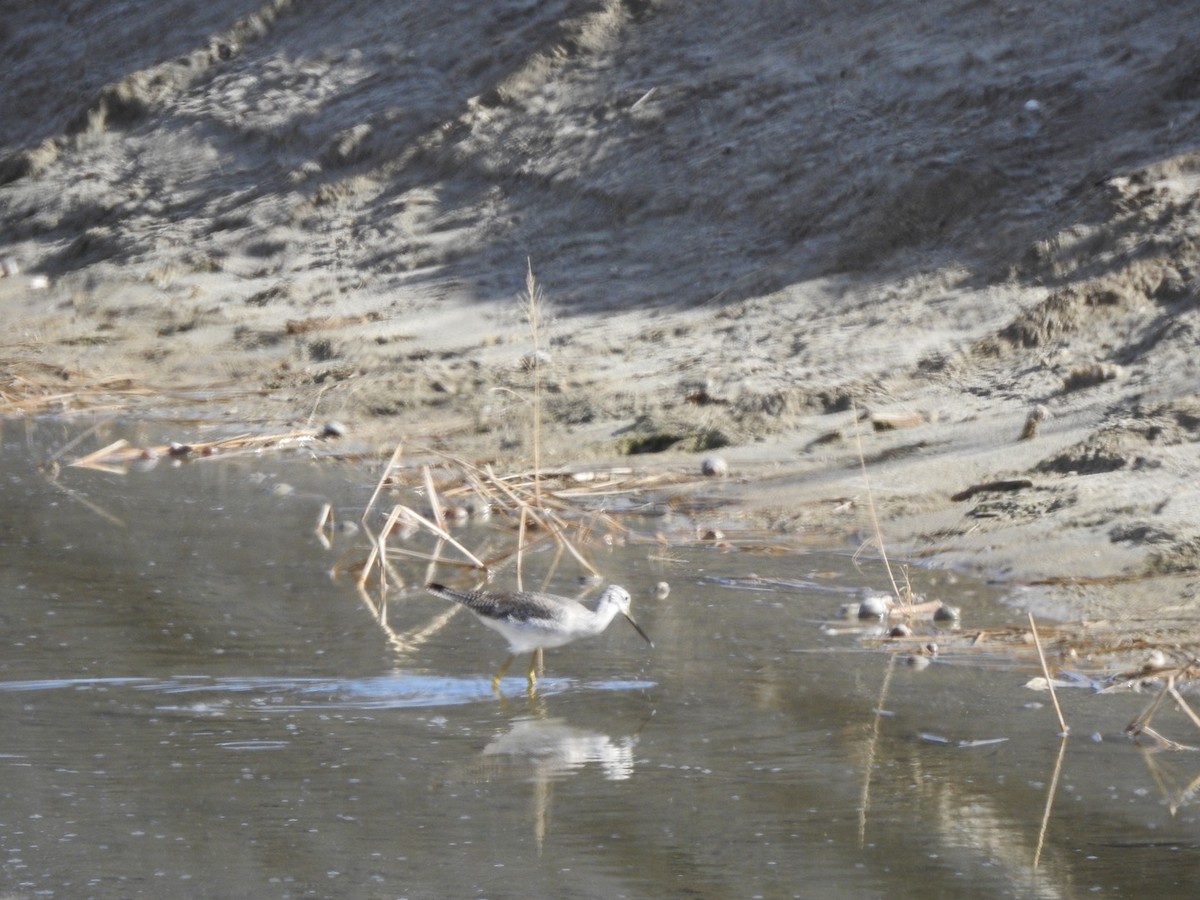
{"x": 531, "y": 620}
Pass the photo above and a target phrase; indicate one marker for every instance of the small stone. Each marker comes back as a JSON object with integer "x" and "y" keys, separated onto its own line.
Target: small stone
{"x": 714, "y": 467}
{"x": 947, "y": 614}
{"x": 457, "y": 514}
{"x": 875, "y": 606}
{"x": 661, "y": 590}
{"x": 333, "y": 430}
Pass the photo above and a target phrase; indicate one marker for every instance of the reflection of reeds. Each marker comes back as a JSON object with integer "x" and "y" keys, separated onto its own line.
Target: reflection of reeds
{"x": 1051, "y": 793}
{"x": 871, "y": 749}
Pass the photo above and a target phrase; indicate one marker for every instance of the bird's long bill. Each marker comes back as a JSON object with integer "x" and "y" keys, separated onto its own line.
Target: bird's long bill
{"x": 638, "y": 628}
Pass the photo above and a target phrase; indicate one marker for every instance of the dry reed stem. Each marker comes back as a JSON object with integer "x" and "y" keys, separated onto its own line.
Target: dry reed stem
{"x": 862, "y": 462}
{"x": 1183, "y": 704}
{"x": 536, "y": 514}
{"x": 553, "y": 567}
{"x": 75, "y": 441}
{"x": 1164, "y": 742}
{"x": 532, "y": 301}
{"x": 487, "y": 485}
{"x": 521, "y": 549}
{"x": 1037, "y": 641}
{"x": 379, "y": 551}
{"x": 323, "y": 520}
{"x": 565, "y": 542}
{"x": 437, "y": 531}
{"x": 387, "y": 470}
{"x": 1141, "y": 724}
{"x": 435, "y": 505}
{"x": 434, "y": 557}
{"x": 96, "y": 459}
{"x": 117, "y": 456}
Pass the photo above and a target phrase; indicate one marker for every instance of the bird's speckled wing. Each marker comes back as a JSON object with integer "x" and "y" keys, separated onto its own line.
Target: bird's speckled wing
{"x": 516, "y": 606}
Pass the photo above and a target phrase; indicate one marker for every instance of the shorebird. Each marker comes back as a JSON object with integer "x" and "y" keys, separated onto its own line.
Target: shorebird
{"x": 532, "y": 621}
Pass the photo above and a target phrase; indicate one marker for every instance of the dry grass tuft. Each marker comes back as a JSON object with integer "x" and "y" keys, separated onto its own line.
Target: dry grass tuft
{"x": 524, "y": 515}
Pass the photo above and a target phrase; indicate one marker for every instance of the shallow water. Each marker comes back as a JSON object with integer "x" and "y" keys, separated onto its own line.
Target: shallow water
{"x": 193, "y": 707}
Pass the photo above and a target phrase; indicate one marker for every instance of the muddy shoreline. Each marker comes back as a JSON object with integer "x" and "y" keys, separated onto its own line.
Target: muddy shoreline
{"x": 891, "y": 233}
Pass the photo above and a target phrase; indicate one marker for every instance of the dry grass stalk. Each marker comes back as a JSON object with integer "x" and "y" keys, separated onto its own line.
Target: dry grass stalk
{"x": 435, "y": 505}
{"x": 1037, "y": 642}
{"x": 365, "y": 571}
{"x": 521, "y": 548}
{"x": 383, "y": 480}
{"x": 438, "y": 531}
{"x": 100, "y": 460}
{"x": 379, "y": 549}
{"x": 304, "y": 326}
{"x": 531, "y": 304}
{"x": 878, "y": 531}
{"x": 1184, "y": 705}
{"x": 325, "y": 522}
{"x": 515, "y": 502}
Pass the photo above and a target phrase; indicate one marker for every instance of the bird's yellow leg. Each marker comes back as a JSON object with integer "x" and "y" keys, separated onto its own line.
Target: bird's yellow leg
{"x": 500, "y": 672}
{"x": 531, "y": 672}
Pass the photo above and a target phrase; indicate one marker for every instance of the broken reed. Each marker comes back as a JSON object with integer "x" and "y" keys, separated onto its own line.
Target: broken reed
{"x": 521, "y": 501}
